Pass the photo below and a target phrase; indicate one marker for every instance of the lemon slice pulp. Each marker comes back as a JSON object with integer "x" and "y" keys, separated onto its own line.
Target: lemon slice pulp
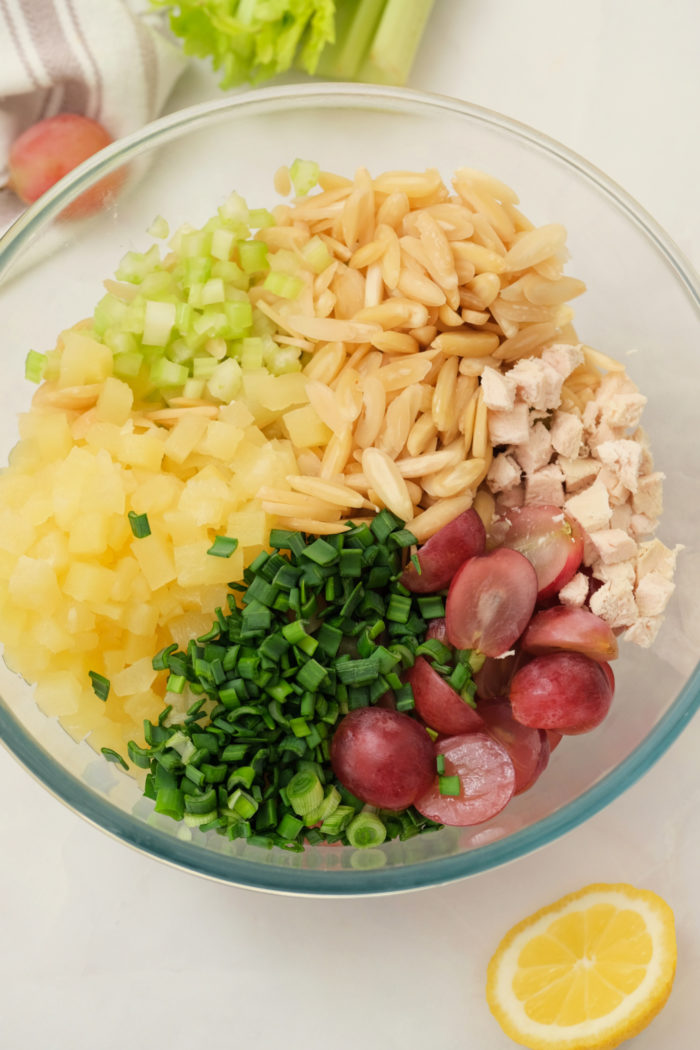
{"x": 586, "y": 972}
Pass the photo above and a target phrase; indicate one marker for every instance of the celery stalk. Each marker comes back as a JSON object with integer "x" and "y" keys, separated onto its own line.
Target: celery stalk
{"x": 356, "y": 22}
{"x": 395, "y": 42}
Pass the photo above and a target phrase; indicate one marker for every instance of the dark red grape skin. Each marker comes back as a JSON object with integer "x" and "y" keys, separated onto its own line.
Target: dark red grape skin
{"x": 551, "y": 540}
{"x": 442, "y": 554}
{"x": 438, "y": 704}
{"x": 528, "y": 748}
{"x": 573, "y": 630}
{"x": 383, "y": 757}
{"x": 490, "y": 601}
{"x": 565, "y": 691}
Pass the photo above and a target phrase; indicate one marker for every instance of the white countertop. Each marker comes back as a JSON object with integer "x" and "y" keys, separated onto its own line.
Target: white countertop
{"x": 105, "y": 948}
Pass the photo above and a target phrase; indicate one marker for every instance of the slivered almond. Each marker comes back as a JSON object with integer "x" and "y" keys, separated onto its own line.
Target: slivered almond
{"x": 328, "y": 329}
{"x": 430, "y": 463}
{"x": 326, "y": 363}
{"x": 426, "y": 524}
{"x": 386, "y": 480}
{"x": 466, "y": 344}
{"x": 331, "y": 491}
{"x": 483, "y": 259}
{"x": 396, "y": 343}
{"x": 315, "y": 527}
{"x": 374, "y": 407}
{"x": 405, "y": 372}
{"x": 394, "y": 313}
{"x": 534, "y": 247}
{"x": 422, "y": 432}
{"x": 336, "y": 453}
{"x": 419, "y": 287}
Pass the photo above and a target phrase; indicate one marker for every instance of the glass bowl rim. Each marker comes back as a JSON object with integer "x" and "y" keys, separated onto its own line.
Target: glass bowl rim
{"x": 242, "y": 872}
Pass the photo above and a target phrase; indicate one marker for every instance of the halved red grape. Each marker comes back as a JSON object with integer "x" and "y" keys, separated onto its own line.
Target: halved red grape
{"x": 576, "y": 630}
{"x": 438, "y": 704}
{"x": 486, "y": 781}
{"x": 494, "y": 676}
{"x": 528, "y": 748}
{"x": 437, "y": 629}
{"x": 384, "y": 757}
{"x": 490, "y": 601}
{"x": 568, "y": 692}
{"x": 551, "y": 540}
{"x": 441, "y": 555}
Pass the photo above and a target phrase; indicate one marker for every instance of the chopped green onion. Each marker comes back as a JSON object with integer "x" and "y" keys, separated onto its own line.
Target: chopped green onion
{"x": 100, "y": 685}
{"x": 449, "y": 785}
{"x": 440, "y": 764}
{"x": 305, "y": 792}
{"x": 366, "y": 830}
{"x": 139, "y": 524}
{"x": 223, "y": 547}
{"x": 113, "y": 756}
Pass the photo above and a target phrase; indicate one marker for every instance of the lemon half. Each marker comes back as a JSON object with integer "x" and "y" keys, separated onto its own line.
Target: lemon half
{"x": 586, "y": 972}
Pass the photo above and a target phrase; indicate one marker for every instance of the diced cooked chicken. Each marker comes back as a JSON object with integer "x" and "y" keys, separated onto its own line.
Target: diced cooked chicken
{"x": 613, "y": 545}
{"x": 652, "y": 594}
{"x": 591, "y": 507}
{"x": 654, "y": 556}
{"x": 498, "y": 390}
{"x": 503, "y": 473}
{"x": 617, "y": 493}
{"x": 545, "y": 486}
{"x": 566, "y": 433}
{"x": 621, "y": 573}
{"x": 647, "y": 463}
{"x": 575, "y": 592}
{"x": 563, "y": 357}
{"x": 538, "y": 383}
{"x": 578, "y": 473}
{"x": 511, "y": 427}
{"x": 615, "y": 604}
{"x": 648, "y": 499}
{"x": 536, "y": 452}
{"x": 643, "y": 631}
{"x": 642, "y": 526}
{"x": 624, "y": 457}
{"x": 621, "y": 516}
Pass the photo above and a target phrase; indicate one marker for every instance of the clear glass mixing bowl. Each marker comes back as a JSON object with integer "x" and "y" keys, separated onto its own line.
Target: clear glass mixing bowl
{"x": 642, "y": 306}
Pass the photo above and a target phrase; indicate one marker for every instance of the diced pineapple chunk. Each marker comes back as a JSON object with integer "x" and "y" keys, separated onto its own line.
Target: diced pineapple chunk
{"x": 155, "y": 560}
{"x": 134, "y": 679}
{"x": 305, "y": 428}
{"x": 33, "y": 585}
{"x": 114, "y": 401}
{"x": 83, "y": 360}
{"x": 220, "y": 441}
{"x": 185, "y": 436}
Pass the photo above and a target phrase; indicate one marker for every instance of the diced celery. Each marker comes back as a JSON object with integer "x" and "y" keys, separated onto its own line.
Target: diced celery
{"x": 108, "y": 312}
{"x": 158, "y": 284}
{"x": 304, "y": 175}
{"x": 204, "y": 367}
{"x": 184, "y": 316}
{"x": 159, "y": 228}
{"x": 226, "y": 381}
{"x": 196, "y": 244}
{"x": 167, "y": 373}
{"x": 222, "y": 242}
{"x": 193, "y": 389}
{"x": 196, "y": 270}
{"x": 260, "y": 218}
{"x": 134, "y": 317}
{"x": 253, "y": 256}
{"x": 158, "y": 322}
{"x": 240, "y": 317}
{"x": 121, "y": 343}
{"x": 213, "y": 292}
{"x": 235, "y": 208}
{"x": 316, "y": 255}
{"x": 127, "y": 365}
{"x": 135, "y": 265}
{"x": 211, "y": 323}
{"x": 230, "y": 272}
{"x": 180, "y": 351}
{"x": 35, "y": 366}
{"x": 251, "y": 353}
{"x": 283, "y": 284}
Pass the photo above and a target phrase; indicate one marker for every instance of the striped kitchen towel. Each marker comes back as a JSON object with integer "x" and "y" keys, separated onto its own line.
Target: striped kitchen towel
{"x": 107, "y": 59}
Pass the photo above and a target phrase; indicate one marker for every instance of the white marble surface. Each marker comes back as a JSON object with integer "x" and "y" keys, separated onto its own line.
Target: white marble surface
{"x": 104, "y": 948}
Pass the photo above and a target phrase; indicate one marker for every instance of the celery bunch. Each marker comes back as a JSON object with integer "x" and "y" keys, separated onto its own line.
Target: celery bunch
{"x": 254, "y": 40}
